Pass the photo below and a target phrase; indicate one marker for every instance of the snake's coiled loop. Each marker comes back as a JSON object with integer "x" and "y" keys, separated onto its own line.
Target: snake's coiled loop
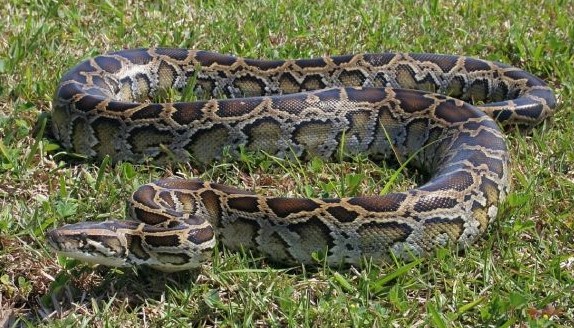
{"x": 389, "y": 106}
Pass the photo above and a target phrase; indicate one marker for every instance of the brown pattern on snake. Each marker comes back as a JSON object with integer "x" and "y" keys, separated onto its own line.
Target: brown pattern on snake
{"x": 303, "y": 108}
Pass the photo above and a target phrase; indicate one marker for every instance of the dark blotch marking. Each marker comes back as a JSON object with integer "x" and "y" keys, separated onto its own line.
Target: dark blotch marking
{"x": 431, "y": 86}
{"x": 187, "y": 184}
{"x": 459, "y": 181}
{"x": 245, "y": 204}
{"x": 178, "y": 54}
{"x": 413, "y": 101}
{"x": 338, "y": 60}
{"x": 429, "y": 203}
{"x": 136, "y": 56}
{"x": 491, "y": 190}
{"x": 121, "y": 106}
{"x": 478, "y": 158}
{"x": 149, "y": 217}
{"x": 342, "y": 214}
{"x": 483, "y": 138}
{"x": 293, "y": 104}
{"x": 313, "y": 62}
{"x": 264, "y": 64}
{"x": 445, "y": 62}
{"x": 108, "y": 64}
{"x": 522, "y": 75}
{"x": 450, "y": 112}
{"x": 527, "y": 107}
{"x": 97, "y": 91}
{"x": 193, "y": 220}
{"x": 472, "y": 65}
{"x": 165, "y": 66}
{"x": 135, "y": 247}
{"x": 358, "y": 119}
{"x": 199, "y": 236}
{"x": 186, "y": 113}
{"x": 303, "y": 136}
{"x": 502, "y": 115}
{"x": 89, "y": 102}
{"x": 162, "y": 241}
{"x": 417, "y": 129}
{"x": 285, "y": 257}
{"x": 150, "y": 111}
{"x": 366, "y": 94}
{"x": 476, "y": 205}
{"x": 237, "y": 107}
{"x": 207, "y": 58}
{"x": 100, "y": 82}
{"x": 144, "y": 194}
{"x": 213, "y": 206}
{"x": 514, "y": 93}
{"x": 282, "y": 207}
{"x": 327, "y": 95}
{"x": 387, "y": 203}
{"x": 165, "y": 196}
{"x": 74, "y": 74}
{"x": 68, "y": 91}
{"x": 546, "y": 94}
{"x": 532, "y": 111}
{"x": 138, "y": 77}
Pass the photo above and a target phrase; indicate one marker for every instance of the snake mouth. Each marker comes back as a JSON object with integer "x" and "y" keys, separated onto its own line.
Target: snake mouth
{"x": 54, "y": 238}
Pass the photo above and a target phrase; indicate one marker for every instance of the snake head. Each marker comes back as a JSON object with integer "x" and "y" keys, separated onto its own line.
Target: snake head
{"x": 98, "y": 243}
{"x": 180, "y": 246}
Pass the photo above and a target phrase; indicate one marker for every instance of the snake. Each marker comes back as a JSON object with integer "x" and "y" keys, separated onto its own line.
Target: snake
{"x": 444, "y": 115}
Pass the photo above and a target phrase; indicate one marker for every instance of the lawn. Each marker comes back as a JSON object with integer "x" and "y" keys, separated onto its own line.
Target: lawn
{"x": 520, "y": 274}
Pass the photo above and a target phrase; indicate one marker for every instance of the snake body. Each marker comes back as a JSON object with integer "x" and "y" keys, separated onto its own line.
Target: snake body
{"x": 388, "y": 106}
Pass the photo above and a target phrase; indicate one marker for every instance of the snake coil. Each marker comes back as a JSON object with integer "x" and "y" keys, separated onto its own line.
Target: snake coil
{"x": 388, "y": 106}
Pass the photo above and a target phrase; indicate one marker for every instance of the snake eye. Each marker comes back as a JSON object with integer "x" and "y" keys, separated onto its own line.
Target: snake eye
{"x": 83, "y": 239}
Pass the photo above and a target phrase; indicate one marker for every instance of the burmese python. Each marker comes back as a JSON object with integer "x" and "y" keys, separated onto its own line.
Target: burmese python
{"x": 366, "y": 103}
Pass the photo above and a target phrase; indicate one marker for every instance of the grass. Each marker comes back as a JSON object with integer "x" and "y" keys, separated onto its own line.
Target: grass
{"x": 519, "y": 275}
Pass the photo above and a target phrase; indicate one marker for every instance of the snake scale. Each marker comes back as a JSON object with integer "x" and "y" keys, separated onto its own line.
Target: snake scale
{"x": 389, "y": 106}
